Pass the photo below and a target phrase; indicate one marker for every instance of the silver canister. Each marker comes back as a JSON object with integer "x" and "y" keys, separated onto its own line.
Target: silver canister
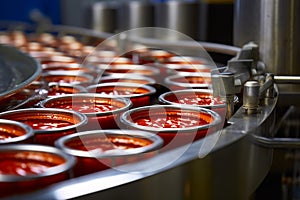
{"x": 135, "y": 14}
{"x": 251, "y": 96}
{"x": 104, "y": 17}
{"x": 275, "y": 26}
{"x": 179, "y": 16}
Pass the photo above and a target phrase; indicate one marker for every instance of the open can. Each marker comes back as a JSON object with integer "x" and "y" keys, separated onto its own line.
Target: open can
{"x": 102, "y": 149}
{"x": 15, "y": 132}
{"x": 48, "y": 123}
{"x": 27, "y": 168}
{"x": 102, "y": 112}
{"x": 177, "y": 125}
{"x": 139, "y": 94}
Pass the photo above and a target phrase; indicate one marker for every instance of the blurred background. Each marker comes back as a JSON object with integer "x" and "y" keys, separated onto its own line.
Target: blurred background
{"x": 205, "y": 20}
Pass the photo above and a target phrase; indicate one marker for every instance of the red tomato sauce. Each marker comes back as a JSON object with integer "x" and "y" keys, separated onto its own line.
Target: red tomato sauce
{"x": 22, "y": 167}
{"x": 46, "y": 124}
{"x": 122, "y": 71}
{"x": 197, "y": 99}
{"x": 117, "y": 92}
{"x": 156, "y": 54}
{"x": 5, "y": 135}
{"x": 183, "y": 61}
{"x": 191, "y": 70}
{"x": 65, "y": 79}
{"x": 193, "y": 80}
{"x": 170, "y": 121}
{"x": 9, "y": 132}
{"x": 114, "y": 91}
{"x": 200, "y": 101}
{"x": 105, "y": 143}
{"x": 55, "y": 91}
{"x": 139, "y": 81}
{"x": 192, "y": 62}
{"x": 87, "y": 108}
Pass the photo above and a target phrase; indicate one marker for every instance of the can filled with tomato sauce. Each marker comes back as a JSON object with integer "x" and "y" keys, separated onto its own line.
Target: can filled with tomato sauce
{"x": 177, "y": 125}
{"x": 188, "y": 81}
{"x": 48, "y": 124}
{"x": 57, "y": 89}
{"x": 139, "y": 94}
{"x": 15, "y": 132}
{"x": 102, "y": 112}
{"x": 102, "y": 149}
{"x": 27, "y": 168}
{"x": 196, "y": 98}
{"x": 127, "y": 78}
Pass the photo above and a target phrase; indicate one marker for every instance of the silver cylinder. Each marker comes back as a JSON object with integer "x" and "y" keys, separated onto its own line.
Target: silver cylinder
{"x": 227, "y": 92}
{"x": 224, "y": 88}
{"x": 135, "y": 14}
{"x": 251, "y": 96}
{"x": 104, "y": 17}
{"x": 179, "y": 16}
{"x": 227, "y": 81}
{"x": 275, "y": 26}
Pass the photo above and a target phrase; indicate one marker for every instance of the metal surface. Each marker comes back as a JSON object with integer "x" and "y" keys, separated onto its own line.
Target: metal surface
{"x": 175, "y": 15}
{"x": 104, "y": 17}
{"x": 275, "y": 26}
{"x": 156, "y": 143}
{"x": 17, "y": 70}
{"x": 251, "y": 96}
{"x": 135, "y": 14}
{"x": 68, "y": 163}
{"x": 223, "y": 85}
{"x": 76, "y": 13}
{"x": 285, "y": 135}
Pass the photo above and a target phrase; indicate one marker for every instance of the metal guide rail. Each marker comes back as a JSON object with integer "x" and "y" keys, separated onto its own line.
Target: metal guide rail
{"x": 231, "y": 168}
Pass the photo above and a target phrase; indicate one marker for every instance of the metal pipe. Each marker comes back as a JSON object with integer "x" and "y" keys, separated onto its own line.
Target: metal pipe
{"x": 189, "y": 44}
{"x": 287, "y": 79}
{"x": 278, "y": 142}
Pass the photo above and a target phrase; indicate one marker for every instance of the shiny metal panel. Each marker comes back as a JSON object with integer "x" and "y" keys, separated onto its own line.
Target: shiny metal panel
{"x": 135, "y": 14}
{"x": 104, "y": 17}
{"x": 175, "y": 15}
{"x": 275, "y": 26}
